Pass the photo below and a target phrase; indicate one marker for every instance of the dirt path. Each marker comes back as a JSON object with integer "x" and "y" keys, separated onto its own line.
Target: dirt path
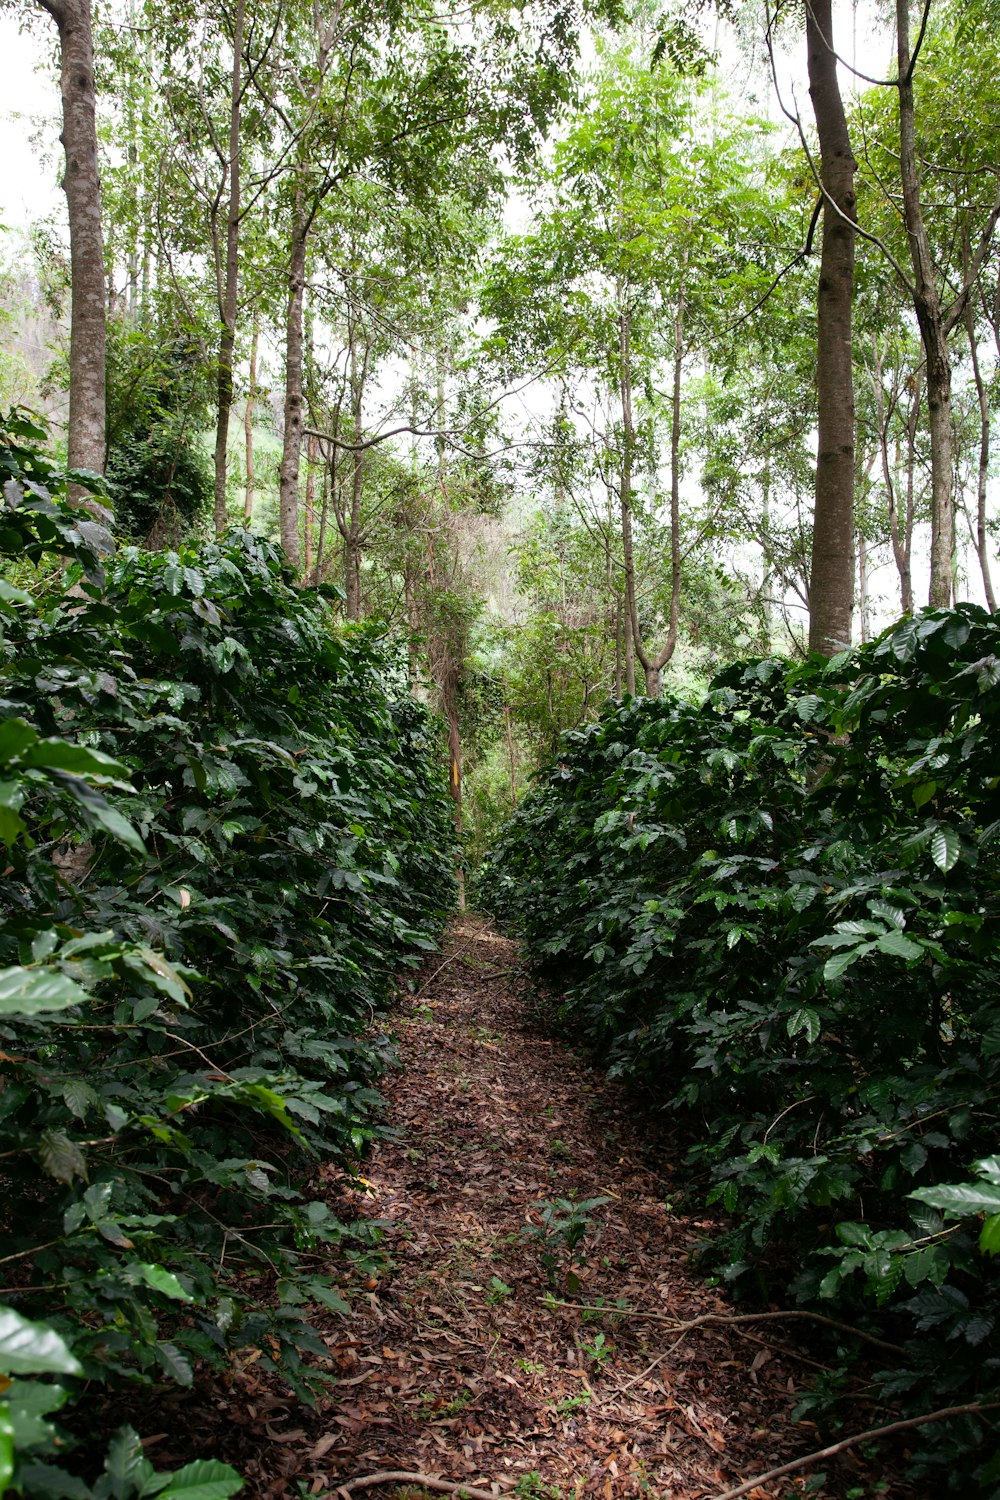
{"x": 459, "y": 1367}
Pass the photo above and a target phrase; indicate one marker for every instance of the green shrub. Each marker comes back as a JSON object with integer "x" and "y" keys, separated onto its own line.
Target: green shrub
{"x": 223, "y": 838}
{"x": 778, "y": 910}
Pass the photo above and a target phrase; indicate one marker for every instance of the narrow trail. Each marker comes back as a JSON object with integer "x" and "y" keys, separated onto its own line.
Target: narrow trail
{"x": 457, "y": 1367}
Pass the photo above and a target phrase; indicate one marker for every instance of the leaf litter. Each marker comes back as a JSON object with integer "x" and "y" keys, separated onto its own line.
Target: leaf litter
{"x": 459, "y": 1362}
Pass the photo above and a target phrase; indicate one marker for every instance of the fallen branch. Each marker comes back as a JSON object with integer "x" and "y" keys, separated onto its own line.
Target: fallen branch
{"x": 500, "y": 973}
{"x": 426, "y": 1481}
{"x": 852, "y": 1442}
{"x": 449, "y": 960}
{"x": 676, "y": 1326}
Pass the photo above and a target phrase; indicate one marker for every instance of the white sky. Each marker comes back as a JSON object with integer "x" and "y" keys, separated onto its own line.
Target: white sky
{"x": 29, "y": 126}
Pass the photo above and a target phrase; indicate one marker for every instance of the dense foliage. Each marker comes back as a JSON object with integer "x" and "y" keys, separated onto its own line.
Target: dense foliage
{"x": 224, "y": 833}
{"x": 777, "y": 911}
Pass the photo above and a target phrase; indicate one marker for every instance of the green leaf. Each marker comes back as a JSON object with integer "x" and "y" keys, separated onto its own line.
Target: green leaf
{"x": 160, "y": 1279}
{"x": 6, "y": 1448}
{"x": 124, "y": 1462}
{"x": 923, "y": 793}
{"x": 33, "y": 1348}
{"x": 913, "y": 1157}
{"x": 78, "y": 760}
{"x": 204, "y": 1480}
{"x": 959, "y": 1198}
{"x": 52, "y": 1482}
{"x": 899, "y": 946}
{"x": 945, "y": 848}
{"x": 326, "y": 1295}
{"x": 61, "y": 1157}
{"x": 100, "y": 814}
{"x": 836, "y": 965}
{"x": 989, "y": 1238}
{"x": 79, "y": 1097}
{"x": 176, "y": 1365}
{"x": 29, "y": 992}
{"x": 15, "y": 736}
{"x": 11, "y": 595}
{"x": 28, "y": 1402}
{"x": 804, "y": 1020}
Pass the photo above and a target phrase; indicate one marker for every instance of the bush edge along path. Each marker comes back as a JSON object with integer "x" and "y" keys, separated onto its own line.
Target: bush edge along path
{"x": 776, "y": 912}
{"x": 225, "y": 831}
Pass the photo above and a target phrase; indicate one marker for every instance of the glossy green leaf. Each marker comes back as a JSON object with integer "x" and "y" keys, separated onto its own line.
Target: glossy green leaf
{"x": 945, "y": 848}
{"x": 28, "y": 1348}
{"x": 30, "y": 992}
{"x": 203, "y": 1480}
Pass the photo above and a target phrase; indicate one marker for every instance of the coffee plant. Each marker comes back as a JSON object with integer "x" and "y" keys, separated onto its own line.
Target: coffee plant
{"x": 778, "y": 913}
{"x": 224, "y": 835}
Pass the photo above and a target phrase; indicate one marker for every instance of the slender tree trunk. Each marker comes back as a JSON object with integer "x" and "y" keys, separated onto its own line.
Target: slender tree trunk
{"x": 912, "y": 427}
{"x": 248, "y": 424}
{"x": 455, "y": 772}
{"x": 310, "y": 506}
{"x": 352, "y": 531}
{"x": 862, "y": 549}
{"x": 82, "y": 185}
{"x": 899, "y": 550}
{"x": 831, "y": 580}
{"x": 229, "y": 289}
{"x": 981, "y": 536}
{"x": 324, "y": 511}
{"x": 288, "y": 484}
{"x": 132, "y": 254}
{"x": 654, "y": 671}
{"x": 633, "y": 638}
{"x": 511, "y": 752}
{"x": 629, "y": 650}
{"x": 927, "y": 306}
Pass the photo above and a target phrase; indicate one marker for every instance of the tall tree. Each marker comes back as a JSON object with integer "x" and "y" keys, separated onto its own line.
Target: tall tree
{"x": 831, "y": 578}
{"x": 227, "y": 268}
{"x": 82, "y": 185}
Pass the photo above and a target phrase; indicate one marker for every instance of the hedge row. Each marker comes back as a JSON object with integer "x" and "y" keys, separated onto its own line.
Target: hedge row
{"x": 225, "y": 830}
{"x": 779, "y": 913}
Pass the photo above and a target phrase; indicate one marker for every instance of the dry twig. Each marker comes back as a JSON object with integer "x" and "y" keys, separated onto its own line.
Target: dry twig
{"x": 393, "y": 1476}
{"x": 677, "y": 1326}
{"x": 852, "y": 1442}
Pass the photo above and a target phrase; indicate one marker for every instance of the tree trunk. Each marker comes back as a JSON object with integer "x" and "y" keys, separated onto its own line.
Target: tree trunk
{"x": 981, "y": 536}
{"x": 324, "y": 511}
{"x": 633, "y": 639}
{"x": 229, "y": 290}
{"x": 82, "y": 185}
{"x": 455, "y": 772}
{"x": 927, "y": 306}
{"x": 831, "y": 580}
{"x": 511, "y": 752}
{"x": 900, "y": 550}
{"x": 288, "y": 484}
{"x": 310, "y": 506}
{"x": 654, "y": 671}
{"x": 863, "y": 587}
{"x": 248, "y": 425}
{"x": 352, "y": 530}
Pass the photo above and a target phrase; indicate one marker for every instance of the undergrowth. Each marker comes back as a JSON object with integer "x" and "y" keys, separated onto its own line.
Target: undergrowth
{"x": 779, "y": 912}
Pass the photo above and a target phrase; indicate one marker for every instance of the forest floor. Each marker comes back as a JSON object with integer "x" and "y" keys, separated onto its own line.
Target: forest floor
{"x": 459, "y": 1364}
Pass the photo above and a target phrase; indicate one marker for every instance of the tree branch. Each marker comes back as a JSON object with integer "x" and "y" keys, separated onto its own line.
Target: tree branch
{"x": 676, "y": 1326}
{"x": 852, "y": 1442}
